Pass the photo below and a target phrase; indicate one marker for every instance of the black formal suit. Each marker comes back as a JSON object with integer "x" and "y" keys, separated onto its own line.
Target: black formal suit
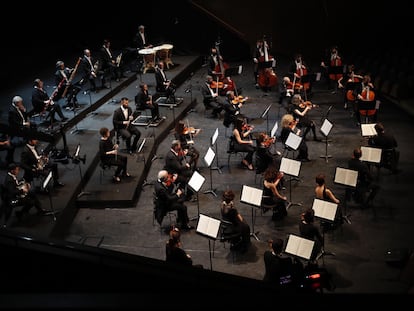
{"x": 39, "y": 96}
{"x": 107, "y": 63}
{"x": 126, "y": 130}
{"x": 29, "y": 163}
{"x": 161, "y": 80}
{"x": 175, "y": 164}
{"x": 141, "y": 100}
{"x": 89, "y": 72}
{"x": 73, "y": 87}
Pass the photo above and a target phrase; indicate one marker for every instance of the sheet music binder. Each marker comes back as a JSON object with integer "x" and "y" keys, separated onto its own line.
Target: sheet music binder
{"x": 326, "y": 127}
{"x": 299, "y": 246}
{"x": 346, "y": 176}
{"x": 368, "y": 129}
{"x": 208, "y": 226}
{"x": 293, "y": 141}
{"x": 370, "y": 154}
{"x": 324, "y": 209}
{"x": 251, "y": 195}
{"x": 290, "y": 167}
{"x": 196, "y": 181}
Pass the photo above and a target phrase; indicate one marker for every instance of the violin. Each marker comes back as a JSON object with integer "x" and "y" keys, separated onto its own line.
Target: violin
{"x": 170, "y": 179}
{"x": 217, "y": 85}
{"x": 268, "y": 141}
{"x": 246, "y": 127}
{"x": 307, "y": 103}
{"x": 238, "y": 99}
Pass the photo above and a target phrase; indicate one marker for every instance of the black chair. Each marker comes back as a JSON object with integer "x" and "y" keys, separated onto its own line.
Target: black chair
{"x": 227, "y": 234}
{"x": 160, "y": 214}
{"x": 231, "y": 151}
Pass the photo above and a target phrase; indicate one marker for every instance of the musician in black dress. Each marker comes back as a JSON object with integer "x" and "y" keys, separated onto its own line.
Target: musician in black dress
{"x": 271, "y": 196}
{"x": 300, "y": 110}
{"x": 108, "y": 153}
{"x": 243, "y": 141}
{"x": 143, "y": 100}
{"x": 310, "y": 231}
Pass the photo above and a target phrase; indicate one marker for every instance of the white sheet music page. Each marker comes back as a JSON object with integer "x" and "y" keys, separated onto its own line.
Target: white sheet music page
{"x": 208, "y": 226}
{"x": 209, "y": 157}
{"x": 274, "y": 130}
{"x": 371, "y": 154}
{"x": 324, "y": 209}
{"x": 293, "y": 141}
{"x": 326, "y": 127}
{"x": 289, "y": 166}
{"x": 346, "y": 176}
{"x": 299, "y": 246}
{"x": 196, "y": 181}
{"x": 251, "y": 195}
{"x": 368, "y": 129}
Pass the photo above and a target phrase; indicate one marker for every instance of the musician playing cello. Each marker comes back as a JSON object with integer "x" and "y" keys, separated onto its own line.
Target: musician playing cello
{"x": 333, "y": 65}
{"x": 300, "y": 71}
{"x": 365, "y": 93}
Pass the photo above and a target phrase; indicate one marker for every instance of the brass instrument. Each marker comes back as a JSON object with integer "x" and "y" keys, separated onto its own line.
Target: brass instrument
{"x": 42, "y": 162}
{"x": 95, "y": 67}
{"x": 118, "y": 60}
{"x": 23, "y": 187}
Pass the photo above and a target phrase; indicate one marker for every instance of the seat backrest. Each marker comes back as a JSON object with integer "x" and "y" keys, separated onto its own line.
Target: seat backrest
{"x": 231, "y": 145}
{"x": 389, "y": 159}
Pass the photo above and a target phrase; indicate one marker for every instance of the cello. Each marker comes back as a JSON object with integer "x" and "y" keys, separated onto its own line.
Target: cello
{"x": 267, "y": 77}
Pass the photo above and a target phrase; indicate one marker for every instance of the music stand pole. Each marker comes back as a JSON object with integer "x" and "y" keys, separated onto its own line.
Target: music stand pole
{"x": 211, "y": 190}
{"x": 217, "y": 167}
{"x": 323, "y": 251}
{"x": 252, "y": 233}
{"x": 81, "y": 176}
{"x": 290, "y": 204}
{"x": 326, "y": 156}
{"x": 209, "y": 250}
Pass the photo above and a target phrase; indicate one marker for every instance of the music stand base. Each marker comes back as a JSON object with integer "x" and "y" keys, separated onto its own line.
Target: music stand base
{"x": 83, "y": 193}
{"x": 218, "y": 168}
{"x": 325, "y": 253}
{"x": 326, "y": 157}
{"x": 212, "y": 191}
{"x": 290, "y": 204}
{"x": 346, "y": 218}
{"x": 254, "y": 235}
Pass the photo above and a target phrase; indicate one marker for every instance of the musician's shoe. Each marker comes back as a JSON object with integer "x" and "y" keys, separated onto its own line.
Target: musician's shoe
{"x": 116, "y": 179}
{"x": 126, "y": 174}
{"x": 58, "y": 184}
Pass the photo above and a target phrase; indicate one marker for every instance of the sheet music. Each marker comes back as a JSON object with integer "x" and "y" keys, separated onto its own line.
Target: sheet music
{"x": 214, "y": 137}
{"x": 289, "y": 166}
{"x": 196, "y": 181}
{"x": 324, "y": 209}
{"x": 371, "y": 154}
{"x": 208, "y": 226}
{"x": 274, "y": 130}
{"x": 299, "y": 246}
{"x": 368, "y": 129}
{"x": 47, "y": 179}
{"x": 209, "y": 157}
{"x": 346, "y": 176}
{"x": 326, "y": 127}
{"x": 293, "y": 141}
{"x": 251, "y": 195}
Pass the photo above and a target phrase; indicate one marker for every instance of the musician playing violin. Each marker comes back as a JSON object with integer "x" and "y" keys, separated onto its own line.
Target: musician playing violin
{"x": 300, "y": 109}
{"x": 242, "y": 141}
{"x": 232, "y": 107}
{"x": 264, "y": 156}
{"x": 186, "y": 136}
{"x": 211, "y": 98}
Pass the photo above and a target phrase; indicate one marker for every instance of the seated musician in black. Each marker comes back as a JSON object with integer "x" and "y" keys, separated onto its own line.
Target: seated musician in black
{"x": 143, "y": 100}
{"x": 300, "y": 110}
{"x": 170, "y": 198}
{"x": 163, "y": 84}
{"x": 18, "y": 192}
{"x": 242, "y": 141}
{"x": 67, "y": 87}
{"x": 271, "y": 197}
{"x": 264, "y": 157}
{"x": 108, "y": 153}
{"x": 174, "y": 253}
{"x": 322, "y": 192}
{"x": 6, "y": 145}
{"x": 183, "y": 134}
{"x": 366, "y": 189}
{"x": 308, "y": 230}
{"x": 211, "y": 98}
{"x": 289, "y": 126}
{"x": 42, "y": 102}
{"x": 36, "y": 164}
{"x": 232, "y": 108}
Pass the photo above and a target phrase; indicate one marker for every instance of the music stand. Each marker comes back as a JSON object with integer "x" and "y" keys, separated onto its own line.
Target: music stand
{"x": 45, "y": 185}
{"x": 326, "y": 211}
{"x": 365, "y": 106}
{"x": 195, "y": 183}
{"x": 299, "y": 247}
{"x": 368, "y": 129}
{"x": 208, "y": 159}
{"x": 348, "y": 178}
{"x": 253, "y": 197}
{"x": 326, "y": 114}
{"x": 208, "y": 227}
{"x": 213, "y": 141}
{"x": 325, "y": 130}
{"x": 265, "y": 114}
{"x": 77, "y": 160}
{"x": 292, "y": 168}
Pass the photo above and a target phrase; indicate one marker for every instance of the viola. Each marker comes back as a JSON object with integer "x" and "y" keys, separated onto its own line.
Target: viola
{"x": 307, "y": 104}
{"x": 247, "y": 127}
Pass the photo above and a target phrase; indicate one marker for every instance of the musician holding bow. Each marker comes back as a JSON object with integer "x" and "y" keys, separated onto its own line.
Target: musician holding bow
{"x": 36, "y": 164}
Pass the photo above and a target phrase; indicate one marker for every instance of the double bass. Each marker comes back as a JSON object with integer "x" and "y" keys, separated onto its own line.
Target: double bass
{"x": 267, "y": 77}
{"x": 221, "y": 67}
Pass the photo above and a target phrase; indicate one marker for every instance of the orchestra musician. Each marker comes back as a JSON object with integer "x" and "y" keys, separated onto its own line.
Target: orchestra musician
{"x": 213, "y": 63}
{"x": 121, "y": 120}
{"x": 110, "y": 62}
{"x": 287, "y": 89}
{"x": 19, "y": 192}
{"x": 232, "y": 106}
{"x": 36, "y": 164}
{"x": 108, "y": 153}
{"x": 243, "y": 142}
{"x": 272, "y": 181}
{"x": 163, "y": 84}
{"x": 185, "y": 135}
{"x": 365, "y": 93}
{"x": 211, "y": 98}
{"x": 170, "y": 198}
{"x": 90, "y": 70}
{"x": 264, "y": 157}
{"x": 42, "y": 102}
{"x": 261, "y": 59}
{"x": 300, "y": 71}
{"x": 300, "y": 110}
{"x": 143, "y": 100}
{"x": 140, "y": 40}
{"x": 348, "y": 82}
{"x": 288, "y": 124}
{"x": 63, "y": 81}
{"x": 333, "y": 65}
